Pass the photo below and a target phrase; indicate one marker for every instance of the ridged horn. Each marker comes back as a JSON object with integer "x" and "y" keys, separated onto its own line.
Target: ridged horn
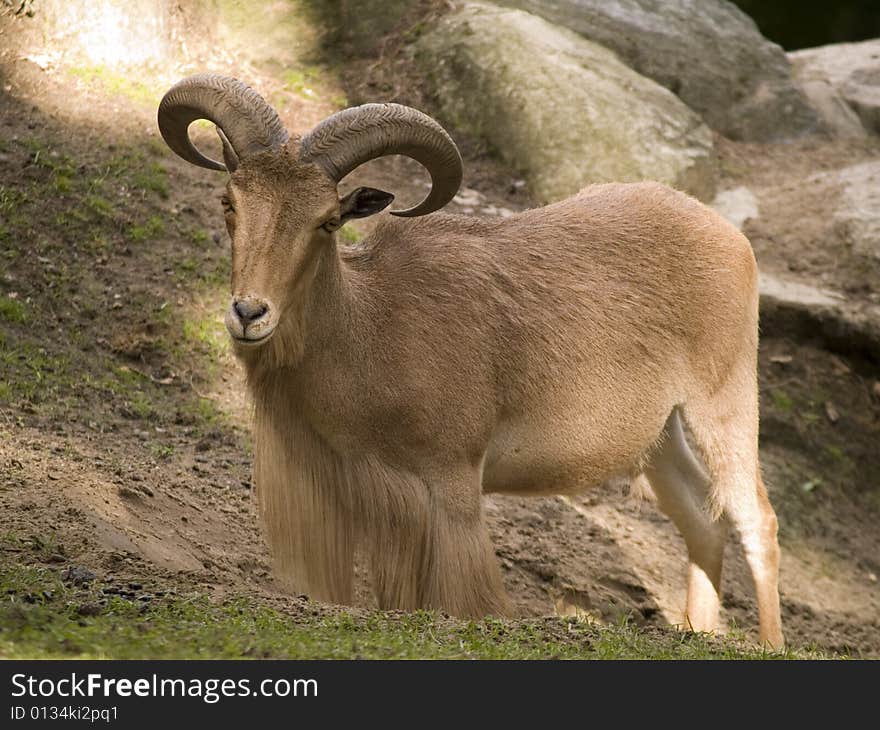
{"x": 248, "y": 122}
{"x": 354, "y": 136}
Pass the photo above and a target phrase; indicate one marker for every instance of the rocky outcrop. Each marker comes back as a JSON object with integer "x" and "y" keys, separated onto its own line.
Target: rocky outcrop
{"x": 563, "y": 110}
{"x": 843, "y": 82}
{"x": 817, "y": 240}
{"x": 857, "y": 217}
{"x": 708, "y": 52}
{"x": 738, "y": 205}
{"x": 802, "y": 311}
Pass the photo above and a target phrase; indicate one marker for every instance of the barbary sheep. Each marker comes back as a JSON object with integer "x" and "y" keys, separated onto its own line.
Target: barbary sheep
{"x": 396, "y": 381}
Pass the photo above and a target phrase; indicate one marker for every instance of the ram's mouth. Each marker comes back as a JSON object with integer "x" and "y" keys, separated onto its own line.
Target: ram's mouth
{"x": 253, "y": 341}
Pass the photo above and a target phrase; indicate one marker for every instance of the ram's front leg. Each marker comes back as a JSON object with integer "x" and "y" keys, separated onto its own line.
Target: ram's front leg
{"x": 460, "y": 572}
{"x": 393, "y": 518}
{"x": 428, "y": 545}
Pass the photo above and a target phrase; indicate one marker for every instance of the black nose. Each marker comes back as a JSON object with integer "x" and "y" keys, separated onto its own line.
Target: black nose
{"x": 249, "y": 310}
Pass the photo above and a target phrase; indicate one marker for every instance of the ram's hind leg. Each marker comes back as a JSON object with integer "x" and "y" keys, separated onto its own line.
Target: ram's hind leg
{"x": 682, "y": 490}
{"x": 725, "y": 430}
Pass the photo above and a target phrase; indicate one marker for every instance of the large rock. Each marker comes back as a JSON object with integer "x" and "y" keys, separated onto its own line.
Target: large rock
{"x": 563, "y": 110}
{"x": 858, "y": 213}
{"x": 819, "y": 235}
{"x": 801, "y": 310}
{"x": 837, "y": 213}
{"x": 843, "y": 82}
{"x": 708, "y": 52}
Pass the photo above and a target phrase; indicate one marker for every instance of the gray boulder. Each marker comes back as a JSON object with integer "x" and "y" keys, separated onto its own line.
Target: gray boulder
{"x": 708, "y": 52}
{"x": 858, "y": 212}
{"x": 842, "y": 82}
{"x": 563, "y": 110}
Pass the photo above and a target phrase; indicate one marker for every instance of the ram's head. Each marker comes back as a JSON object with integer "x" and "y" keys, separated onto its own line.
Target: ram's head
{"x": 281, "y": 202}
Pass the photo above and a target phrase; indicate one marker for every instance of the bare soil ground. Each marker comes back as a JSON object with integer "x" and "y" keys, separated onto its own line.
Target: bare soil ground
{"x": 124, "y": 443}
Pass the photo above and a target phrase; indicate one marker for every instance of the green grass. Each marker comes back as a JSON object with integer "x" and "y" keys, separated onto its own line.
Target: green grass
{"x": 207, "y": 335}
{"x": 782, "y": 400}
{"x": 42, "y": 617}
{"x": 12, "y": 310}
{"x": 141, "y": 405}
{"x": 31, "y": 372}
{"x": 152, "y": 177}
{"x": 153, "y": 228}
{"x": 199, "y": 236}
{"x": 63, "y": 184}
{"x": 162, "y": 451}
{"x": 118, "y": 84}
{"x": 99, "y": 206}
{"x": 11, "y": 199}
{"x": 200, "y": 411}
{"x": 302, "y": 81}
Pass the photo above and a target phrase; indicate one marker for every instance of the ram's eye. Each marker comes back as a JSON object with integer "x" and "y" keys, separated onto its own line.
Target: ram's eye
{"x": 227, "y": 204}
{"x": 332, "y": 225}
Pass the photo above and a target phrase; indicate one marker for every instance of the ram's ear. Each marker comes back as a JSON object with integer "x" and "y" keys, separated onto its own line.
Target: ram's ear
{"x": 230, "y": 159}
{"x": 361, "y": 202}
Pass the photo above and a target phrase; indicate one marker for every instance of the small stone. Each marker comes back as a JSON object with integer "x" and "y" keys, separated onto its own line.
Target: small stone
{"x": 831, "y": 412}
{"x": 78, "y": 575}
{"x": 839, "y": 366}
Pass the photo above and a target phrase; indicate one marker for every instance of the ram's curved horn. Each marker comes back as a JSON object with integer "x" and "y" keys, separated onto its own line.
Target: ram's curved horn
{"x": 247, "y": 121}
{"x": 353, "y": 136}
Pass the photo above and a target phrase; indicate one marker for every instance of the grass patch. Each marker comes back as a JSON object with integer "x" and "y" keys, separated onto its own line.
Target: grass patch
{"x": 31, "y": 372}
{"x": 12, "y": 310}
{"x": 207, "y": 335}
{"x": 162, "y": 451}
{"x": 99, "y": 206}
{"x": 199, "y": 411}
{"x": 199, "y": 236}
{"x": 42, "y": 617}
{"x": 153, "y": 228}
{"x": 188, "y": 265}
{"x": 141, "y": 405}
{"x": 782, "y": 400}
{"x": 152, "y": 178}
{"x": 116, "y": 83}
{"x": 302, "y": 81}
{"x": 11, "y": 199}
{"x": 63, "y": 184}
